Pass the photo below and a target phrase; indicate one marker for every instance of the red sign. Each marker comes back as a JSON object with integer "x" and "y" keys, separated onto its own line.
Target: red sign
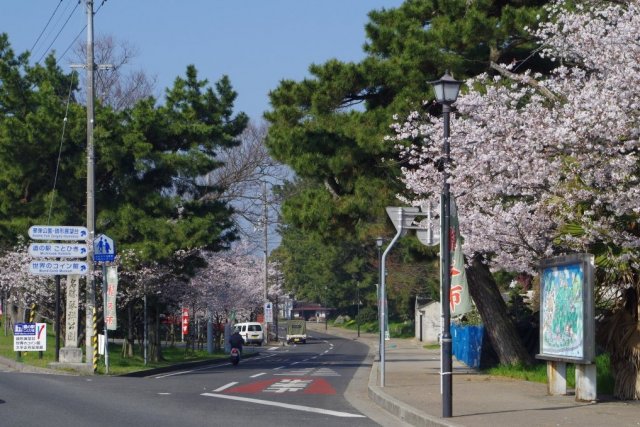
{"x": 185, "y": 321}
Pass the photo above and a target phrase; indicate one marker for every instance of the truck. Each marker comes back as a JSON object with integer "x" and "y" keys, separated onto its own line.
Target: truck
{"x": 296, "y": 331}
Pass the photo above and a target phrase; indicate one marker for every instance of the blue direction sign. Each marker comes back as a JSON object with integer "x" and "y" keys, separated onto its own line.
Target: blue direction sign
{"x": 104, "y": 250}
{"x": 47, "y": 267}
{"x": 58, "y": 232}
{"x": 58, "y": 250}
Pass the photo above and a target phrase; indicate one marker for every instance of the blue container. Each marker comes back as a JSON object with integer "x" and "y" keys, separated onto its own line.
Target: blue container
{"x": 467, "y": 344}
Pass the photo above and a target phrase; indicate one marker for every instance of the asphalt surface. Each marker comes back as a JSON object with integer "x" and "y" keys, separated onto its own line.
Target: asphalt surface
{"x": 279, "y": 386}
{"x": 411, "y": 395}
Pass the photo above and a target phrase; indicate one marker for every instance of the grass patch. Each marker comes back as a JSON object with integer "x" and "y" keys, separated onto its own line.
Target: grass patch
{"x": 431, "y": 346}
{"x": 29, "y": 357}
{"x": 117, "y": 364}
{"x": 538, "y": 373}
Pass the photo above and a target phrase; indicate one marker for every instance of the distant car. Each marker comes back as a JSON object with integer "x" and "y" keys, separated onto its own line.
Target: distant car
{"x": 251, "y": 332}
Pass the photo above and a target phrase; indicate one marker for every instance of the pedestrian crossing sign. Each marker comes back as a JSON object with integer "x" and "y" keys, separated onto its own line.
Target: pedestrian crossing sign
{"x": 104, "y": 250}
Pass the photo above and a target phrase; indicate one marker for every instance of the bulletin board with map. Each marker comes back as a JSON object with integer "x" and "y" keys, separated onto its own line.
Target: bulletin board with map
{"x": 567, "y": 319}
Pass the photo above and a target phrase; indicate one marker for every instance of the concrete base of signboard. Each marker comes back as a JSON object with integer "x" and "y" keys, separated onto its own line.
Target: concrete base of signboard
{"x": 71, "y": 358}
{"x": 70, "y": 355}
{"x": 586, "y": 382}
{"x": 82, "y": 368}
{"x": 557, "y": 378}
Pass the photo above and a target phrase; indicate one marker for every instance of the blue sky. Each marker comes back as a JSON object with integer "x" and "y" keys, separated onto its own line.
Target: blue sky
{"x": 255, "y": 42}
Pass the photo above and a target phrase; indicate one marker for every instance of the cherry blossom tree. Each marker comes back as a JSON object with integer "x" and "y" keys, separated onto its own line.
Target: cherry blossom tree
{"x": 20, "y": 290}
{"x": 547, "y": 165}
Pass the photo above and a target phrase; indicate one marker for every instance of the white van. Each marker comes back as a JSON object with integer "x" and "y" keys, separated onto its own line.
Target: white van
{"x": 251, "y": 332}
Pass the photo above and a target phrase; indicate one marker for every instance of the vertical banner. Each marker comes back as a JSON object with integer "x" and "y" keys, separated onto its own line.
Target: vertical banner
{"x": 71, "y": 319}
{"x": 459, "y": 298}
{"x": 185, "y": 321}
{"x": 112, "y": 291}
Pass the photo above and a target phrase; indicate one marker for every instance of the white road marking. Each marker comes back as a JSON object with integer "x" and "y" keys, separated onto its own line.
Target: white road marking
{"x": 279, "y": 367}
{"x": 173, "y": 374}
{"x": 273, "y": 348}
{"x": 297, "y": 373}
{"x": 286, "y": 405}
{"x": 258, "y": 375}
{"x": 226, "y": 386}
{"x": 295, "y": 363}
{"x": 164, "y": 394}
{"x": 325, "y": 372}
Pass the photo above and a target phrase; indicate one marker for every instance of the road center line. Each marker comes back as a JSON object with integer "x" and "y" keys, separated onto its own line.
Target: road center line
{"x": 257, "y": 375}
{"x": 286, "y": 405}
{"x": 226, "y": 386}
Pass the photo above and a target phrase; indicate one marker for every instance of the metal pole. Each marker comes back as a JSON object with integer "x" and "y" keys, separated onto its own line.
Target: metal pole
{"x": 144, "y": 327}
{"x": 380, "y": 342}
{"x": 104, "y": 317}
{"x": 447, "y": 382}
{"x": 358, "y": 310}
{"x": 383, "y": 298}
{"x": 58, "y": 317}
{"x": 90, "y": 294}
{"x": 266, "y": 260}
{"x": 326, "y": 304}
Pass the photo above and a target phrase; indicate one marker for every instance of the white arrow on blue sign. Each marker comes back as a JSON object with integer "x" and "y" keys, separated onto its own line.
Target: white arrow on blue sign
{"x": 104, "y": 250}
{"x": 46, "y": 267}
{"x": 58, "y": 232}
{"x": 58, "y": 250}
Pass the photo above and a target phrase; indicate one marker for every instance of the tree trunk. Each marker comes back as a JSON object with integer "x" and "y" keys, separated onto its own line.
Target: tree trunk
{"x": 620, "y": 336}
{"x": 493, "y": 310}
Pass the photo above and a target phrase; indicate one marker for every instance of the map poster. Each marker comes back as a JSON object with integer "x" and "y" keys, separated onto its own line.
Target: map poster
{"x": 567, "y": 319}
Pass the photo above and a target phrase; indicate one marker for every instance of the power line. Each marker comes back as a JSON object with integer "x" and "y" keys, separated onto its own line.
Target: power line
{"x": 55, "y": 24}
{"x": 57, "y": 35}
{"x": 80, "y": 33}
{"x": 46, "y": 25}
{"x": 64, "y": 126}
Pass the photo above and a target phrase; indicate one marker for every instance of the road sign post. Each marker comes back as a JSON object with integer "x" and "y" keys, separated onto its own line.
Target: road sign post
{"x": 61, "y": 254}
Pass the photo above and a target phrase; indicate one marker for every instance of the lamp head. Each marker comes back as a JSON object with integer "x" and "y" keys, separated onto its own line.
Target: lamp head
{"x": 446, "y": 89}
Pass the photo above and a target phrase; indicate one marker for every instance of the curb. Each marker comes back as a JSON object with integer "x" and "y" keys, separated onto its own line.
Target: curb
{"x": 400, "y": 409}
{"x": 23, "y": 367}
{"x": 181, "y": 366}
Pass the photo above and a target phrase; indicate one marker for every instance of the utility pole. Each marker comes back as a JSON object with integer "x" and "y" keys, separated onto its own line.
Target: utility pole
{"x": 91, "y": 340}
{"x": 266, "y": 258}
{"x": 91, "y": 291}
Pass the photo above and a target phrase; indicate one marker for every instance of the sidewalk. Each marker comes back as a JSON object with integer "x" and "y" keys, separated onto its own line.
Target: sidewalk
{"x": 412, "y": 393}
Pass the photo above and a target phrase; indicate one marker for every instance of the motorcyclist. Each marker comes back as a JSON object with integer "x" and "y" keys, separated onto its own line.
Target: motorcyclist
{"x": 236, "y": 341}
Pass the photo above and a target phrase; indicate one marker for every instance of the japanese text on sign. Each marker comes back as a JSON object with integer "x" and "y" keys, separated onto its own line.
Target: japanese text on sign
{"x": 30, "y": 337}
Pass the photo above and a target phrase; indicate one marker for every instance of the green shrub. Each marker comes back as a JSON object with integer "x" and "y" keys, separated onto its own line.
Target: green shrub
{"x": 367, "y": 314}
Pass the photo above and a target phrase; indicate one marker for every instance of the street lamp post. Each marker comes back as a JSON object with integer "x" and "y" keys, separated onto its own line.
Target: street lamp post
{"x": 446, "y": 90}
{"x": 379, "y": 242}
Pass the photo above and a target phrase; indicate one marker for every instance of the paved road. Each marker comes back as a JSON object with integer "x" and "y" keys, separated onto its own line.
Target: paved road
{"x": 311, "y": 384}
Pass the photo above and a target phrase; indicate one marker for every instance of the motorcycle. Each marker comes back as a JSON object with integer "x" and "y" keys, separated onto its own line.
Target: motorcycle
{"x": 234, "y": 356}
